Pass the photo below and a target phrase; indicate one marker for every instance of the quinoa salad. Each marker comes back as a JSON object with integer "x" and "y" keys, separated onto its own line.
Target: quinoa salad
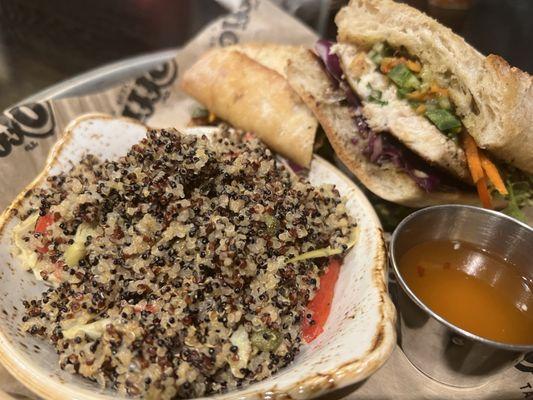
{"x": 185, "y": 268}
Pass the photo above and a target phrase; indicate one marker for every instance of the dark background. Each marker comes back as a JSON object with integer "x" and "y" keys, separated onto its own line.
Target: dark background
{"x": 43, "y": 42}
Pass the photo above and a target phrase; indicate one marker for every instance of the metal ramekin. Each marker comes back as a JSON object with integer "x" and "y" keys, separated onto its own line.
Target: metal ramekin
{"x": 435, "y": 346}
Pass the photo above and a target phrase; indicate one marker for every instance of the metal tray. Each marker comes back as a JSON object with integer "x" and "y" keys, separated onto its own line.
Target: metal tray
{"x": 103, "y": 77}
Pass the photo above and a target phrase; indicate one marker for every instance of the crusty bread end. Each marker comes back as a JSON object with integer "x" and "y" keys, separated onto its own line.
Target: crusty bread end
{"x": 253, "y": 97}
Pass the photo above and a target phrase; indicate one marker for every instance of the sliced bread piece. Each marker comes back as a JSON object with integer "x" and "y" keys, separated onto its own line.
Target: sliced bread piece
{"x": 253, "y": 97}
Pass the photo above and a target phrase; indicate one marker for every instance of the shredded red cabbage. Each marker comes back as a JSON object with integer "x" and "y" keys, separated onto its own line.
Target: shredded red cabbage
{"x": 332, "y": 64}
{"x": 331, "y": 61}
{"x": 296, "y": 168}
{"x": 381, "y": 147}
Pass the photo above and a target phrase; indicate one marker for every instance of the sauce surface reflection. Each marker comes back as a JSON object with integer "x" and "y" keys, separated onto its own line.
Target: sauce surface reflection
{"x": 471, "y": 288}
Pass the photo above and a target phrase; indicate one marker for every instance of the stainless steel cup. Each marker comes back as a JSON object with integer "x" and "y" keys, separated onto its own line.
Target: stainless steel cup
{"x": 436, "y": 347}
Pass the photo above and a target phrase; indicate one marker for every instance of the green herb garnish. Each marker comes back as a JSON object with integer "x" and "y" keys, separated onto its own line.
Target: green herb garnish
{"x": 520, "y": 195}
{"x": 272, "y": 224}
{"x": 375, "y": 96}
{"x": 402, "y": 92}
{"x": 443, "y": 119}
{"x": 403, "y": 77}
{"x": 266, "y": 339}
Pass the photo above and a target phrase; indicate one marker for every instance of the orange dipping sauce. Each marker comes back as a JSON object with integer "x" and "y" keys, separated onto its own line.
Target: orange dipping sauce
{"x": 471, "y": 288}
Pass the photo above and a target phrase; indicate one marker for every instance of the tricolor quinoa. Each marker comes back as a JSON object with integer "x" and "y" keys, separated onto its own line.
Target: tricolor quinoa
{"x": 169, "y": 268}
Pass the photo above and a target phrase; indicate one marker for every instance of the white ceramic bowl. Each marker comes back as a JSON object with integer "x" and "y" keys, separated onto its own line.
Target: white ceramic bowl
{"x": 359, "y": 335}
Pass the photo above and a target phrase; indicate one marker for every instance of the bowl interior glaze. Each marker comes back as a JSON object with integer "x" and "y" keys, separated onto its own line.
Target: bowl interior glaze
{"x": 359, "y": 335}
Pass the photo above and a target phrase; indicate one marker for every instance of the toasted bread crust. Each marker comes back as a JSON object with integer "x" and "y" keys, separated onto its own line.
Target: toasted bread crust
{"x": 253, "y": 97}
{"x": 310, "y": 81}
{"x": 494, "y": 100}
{"x": 271, "y": 55}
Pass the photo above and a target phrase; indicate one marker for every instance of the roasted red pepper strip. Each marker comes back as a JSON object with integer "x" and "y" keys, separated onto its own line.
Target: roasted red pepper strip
{"x": 41, "y": 226}
{"x": 43, "y": 249}
{"x": 43, "y": 223}
{"x": 320, "y": 306}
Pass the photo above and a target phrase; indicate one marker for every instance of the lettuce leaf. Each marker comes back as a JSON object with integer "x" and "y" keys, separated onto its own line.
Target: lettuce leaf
{"x": 520, "y": 196}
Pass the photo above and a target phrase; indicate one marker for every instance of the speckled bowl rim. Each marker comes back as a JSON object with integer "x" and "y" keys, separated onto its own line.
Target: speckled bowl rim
{"x": 351, "y": 372}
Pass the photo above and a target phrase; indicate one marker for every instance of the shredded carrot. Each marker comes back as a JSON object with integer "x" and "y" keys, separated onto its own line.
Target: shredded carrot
{"x": 413, "y": 65}
{"x": 421, "y": 109}
{"x": 472, "y": 157}
{"x": 212, "y": 117}
{"x": 389, "y": 63}
{"x": 483, "y": 193}
{"x": 438, "y": 90}
{"x": 493, "y": 174}
{"x": 433, "y": 92}
{"x": 417, "y": 95}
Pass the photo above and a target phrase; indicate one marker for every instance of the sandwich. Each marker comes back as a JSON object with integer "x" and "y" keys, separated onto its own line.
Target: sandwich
{"x": 414, "y": 112}
{"x": 465, "y": 114}
{"x": 382, "y": 163}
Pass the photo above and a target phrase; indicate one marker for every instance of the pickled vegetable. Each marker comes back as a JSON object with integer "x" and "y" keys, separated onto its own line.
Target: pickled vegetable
{"x": 94, "y": 330}
{"x": 379, "y": 51}
{"x": 199, "y": 112}
{"x": 403, "y": 77}
{"x": 77, "y": 250}
{"x": 272, "y": 224}
{"x": 444, "y": 120}
{"x": 375, "y": 96}
{"x": 324, "y": 252}
{"x": 266, "y": 339}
